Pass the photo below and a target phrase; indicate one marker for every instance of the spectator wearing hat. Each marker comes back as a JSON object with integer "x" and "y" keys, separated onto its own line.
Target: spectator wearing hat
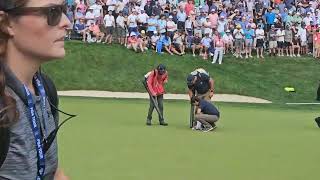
{"x": 219, "y": 48}
{"x": 94, "y": 34}
{"x": 121, "y": 28}
{"x": 132, "y": 22}
{"x": 238, "y": 35}
{"x": 288, "y": 37}
{"x": 109, "y": 24}
{"x": 171, "y": 26}
{"x": 280, "y": 40}
{"x": 133, "y": 42}
{"x": 181, "y": 16}
{"x": 90, "y": 17}
{"x": 269, "y": 18}
{"x": 196, "y": 44}
{"x": 260, "y": 36}
{"x": 213, "y": 18}
{"x": 302, "y": 33}
{"x": 162, "y": 24}
{"x": 296, "y": 45}
{"x": 205, "y": 45}
{"x": 249, "y": 36}
{"x": 228, "y": 41}
{"x": 80, "y": 29}
{"x": 307, "y": 20}
{"x": 272, "y": 40}
{"x": 152, "y": 25}
{"x": 142, "y": 20}
{"x": 98, "y": 11}
{"x": 154, "y": 39}
{"x": 222, "y": 24}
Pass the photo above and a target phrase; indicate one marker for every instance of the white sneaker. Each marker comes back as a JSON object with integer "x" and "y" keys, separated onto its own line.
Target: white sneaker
{"x": 298, "y": 55}
{"x": 193, "y": 55}
{"x": 198, "y": 126}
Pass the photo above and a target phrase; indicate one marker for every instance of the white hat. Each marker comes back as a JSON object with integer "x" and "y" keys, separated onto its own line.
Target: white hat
{"x": 170, "y": 17}
{"x": 155, "y": 32}
{"x": 133, "y": 34}
{"x": 228, "y": 31}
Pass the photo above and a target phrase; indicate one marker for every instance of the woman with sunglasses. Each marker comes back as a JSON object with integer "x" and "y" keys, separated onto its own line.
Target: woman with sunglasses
{"x": 31, "y": 33}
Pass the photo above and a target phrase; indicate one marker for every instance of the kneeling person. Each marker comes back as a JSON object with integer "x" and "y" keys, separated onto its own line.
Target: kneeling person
{"x": 206, "y": 113}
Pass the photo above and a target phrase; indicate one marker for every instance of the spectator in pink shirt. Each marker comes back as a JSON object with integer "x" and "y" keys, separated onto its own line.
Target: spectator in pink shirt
{"x": 189, "y": 7}
{"x": 213, "y": 18}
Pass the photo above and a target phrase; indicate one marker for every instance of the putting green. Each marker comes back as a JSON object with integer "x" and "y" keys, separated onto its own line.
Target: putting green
{"x": 109, "y": 141}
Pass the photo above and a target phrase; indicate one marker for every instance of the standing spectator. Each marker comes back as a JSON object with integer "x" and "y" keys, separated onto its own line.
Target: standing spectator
{"x": 272, "y": 41}
{"x": 109, "y": 24}
{"x": 189, "y": 25}
{"x": 270, "y": 17}
{"x": 132, "y": 22}
{"x": 222, "y": 24}
{"x": 148, "y": 8}
{"x": 296, "y": 45}
{"x": 219, "y": 48}
{"x": 249, "y": 36}
{"x": 302, "y": 32}
{"x": 280, "y": 40}
{"x": 111, "y": 4}
{"x": 97, "y": 11}
{"x": 213, "y": 18}
{"x": 317, "y": 43}
{"x": 152, "y": 25}
{"x": 207, "y": 27}
{"x": 288, "y": 40}
{"x": 228, "y": 41}
{"x": 238, "y": 35}
{"x": 260, "y": 41}
{"x": 78, "y": 15}
{"x": 90, "y": 17}
{"x": 182, "y": 16}
{"x": 82, "y": 7}
{"x": 121, "y": 28}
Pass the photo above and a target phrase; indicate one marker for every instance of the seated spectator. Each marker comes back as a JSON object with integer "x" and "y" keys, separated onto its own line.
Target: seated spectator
{"x": 171, "y": 27}
{"x": 205, "y": 45}
{"x": 154, "y": 40}
{"x": 90, "y": 17}
{"x": 80, "y": 29}
{"x": 94, "y": 34}
{"x": 78, "y": 15}
{"x": 196, "y": 44}
{"x": 133, "y": 42}
{"x": 178, "y": 42}
{"x": 143, "y": 40}
{"x": 152, "y": 25}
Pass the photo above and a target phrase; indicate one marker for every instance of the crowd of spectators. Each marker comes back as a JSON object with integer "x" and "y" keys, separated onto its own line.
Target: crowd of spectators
{"x": 208, "y": 28}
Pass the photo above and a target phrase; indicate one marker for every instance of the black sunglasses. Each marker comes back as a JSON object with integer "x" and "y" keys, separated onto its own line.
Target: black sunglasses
{"x": 53, "y": 13}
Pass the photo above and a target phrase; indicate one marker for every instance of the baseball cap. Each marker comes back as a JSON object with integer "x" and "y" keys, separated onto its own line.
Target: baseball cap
{"x": 190, "y": 78}
{"x": 133, "y": 34}
{"x": 170, "y": 17}
{"x": 161, "y": 69}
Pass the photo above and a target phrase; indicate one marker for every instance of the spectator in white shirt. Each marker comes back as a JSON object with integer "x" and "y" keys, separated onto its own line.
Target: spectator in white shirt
{"x": 142, "y": 20}
{"x": 121, "y": 28}
{"x": 132, "y": 22}
{"x": 109, "y": 23}
{"x": 228, "y": 41}
{"x": 171, "y": 27}
{"x": 90, "y": 17}
{"x": 97, "y": 11}
{"x": 280, "y": 41}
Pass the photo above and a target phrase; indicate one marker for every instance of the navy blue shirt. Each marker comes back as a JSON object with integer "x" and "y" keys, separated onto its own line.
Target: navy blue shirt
{"x": 202, "y": 84}
{"x": 208, "y": 108}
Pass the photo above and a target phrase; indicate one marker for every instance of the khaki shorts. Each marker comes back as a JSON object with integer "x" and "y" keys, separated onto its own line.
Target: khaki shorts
{"x": 273, "y": 44}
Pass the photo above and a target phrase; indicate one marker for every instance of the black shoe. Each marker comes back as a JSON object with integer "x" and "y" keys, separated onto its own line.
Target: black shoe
{"x": 148, "y": 123}
{"x": 318, "y": 121}
{"x": 162, "y": 123}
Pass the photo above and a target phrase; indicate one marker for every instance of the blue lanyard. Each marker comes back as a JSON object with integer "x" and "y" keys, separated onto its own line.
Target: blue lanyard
{"x": 35, "y": 127}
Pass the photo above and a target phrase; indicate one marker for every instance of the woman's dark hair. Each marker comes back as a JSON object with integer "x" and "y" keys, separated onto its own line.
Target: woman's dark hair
{"x": 8, "y": 110}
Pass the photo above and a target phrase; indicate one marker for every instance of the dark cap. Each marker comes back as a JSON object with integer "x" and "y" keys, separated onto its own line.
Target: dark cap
{"x": 161, "y": 69}
{"x": 190, "y": 78}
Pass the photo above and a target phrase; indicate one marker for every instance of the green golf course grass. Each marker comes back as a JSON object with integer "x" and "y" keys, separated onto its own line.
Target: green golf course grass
{"x": 110, "y": 141}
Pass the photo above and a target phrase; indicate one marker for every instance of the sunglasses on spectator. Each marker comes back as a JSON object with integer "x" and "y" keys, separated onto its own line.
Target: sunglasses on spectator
{"x": 53, "y": 13}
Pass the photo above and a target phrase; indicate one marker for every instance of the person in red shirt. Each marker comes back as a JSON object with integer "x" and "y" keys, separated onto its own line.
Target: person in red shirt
{"x": 189, "y": 7}
{"x": 155, "y": 81}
